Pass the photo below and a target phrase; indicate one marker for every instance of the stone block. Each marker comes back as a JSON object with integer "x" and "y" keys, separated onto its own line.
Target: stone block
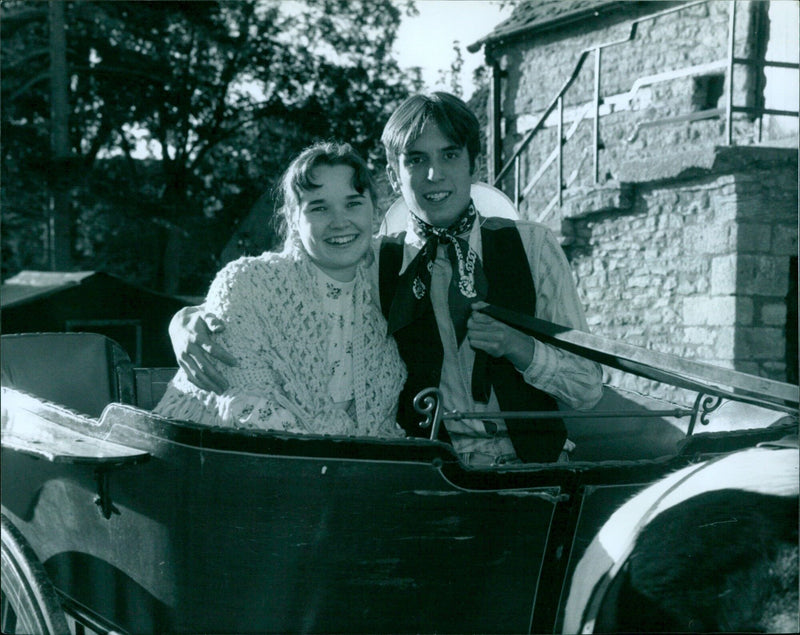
{"x": 760, "y": 343}
{"x": 753, "y": 209}
{"x": 724, "y": 342}
{"x": 687, "y": 287}
{"x": 773, "y": 314}
{"x": 594, "y": 320}
{"x": 723, "y": 275}
{"x": 714, "y": 239}
{"x": 713, "y": 311}
{"x": 671, "y": 222}
{"x": 640, "y": 281}
{"x": 705, "y": 352}
{"x": 774, "y": 370}
{"x": 784, "y": 240}
{"x": 654, "y": 317}
{"x": 725, "y": 209}
{"x": 754, "y": 238}
{"x": 763, "y": 275}
{"x": 745, "y": 311}
{"x": 698, "y": 334}
{"x": 666, "y": 165}
{"x": 588, "y": 200}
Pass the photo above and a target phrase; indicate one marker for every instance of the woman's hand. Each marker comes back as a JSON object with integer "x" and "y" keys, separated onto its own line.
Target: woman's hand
{"x": 498, "y": 339}
{"x": 196, "y": 352}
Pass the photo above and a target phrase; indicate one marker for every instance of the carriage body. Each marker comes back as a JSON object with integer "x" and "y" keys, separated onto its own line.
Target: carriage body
{"x": 144, "y": 524}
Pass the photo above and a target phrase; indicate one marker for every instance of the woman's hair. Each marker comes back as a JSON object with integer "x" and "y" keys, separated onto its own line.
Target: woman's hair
{"x": 299, "y": 177}
{"x": 454, "y": 118}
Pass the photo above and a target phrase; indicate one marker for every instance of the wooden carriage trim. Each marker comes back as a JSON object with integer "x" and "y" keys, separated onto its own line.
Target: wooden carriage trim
{"x": 37, "y": 435}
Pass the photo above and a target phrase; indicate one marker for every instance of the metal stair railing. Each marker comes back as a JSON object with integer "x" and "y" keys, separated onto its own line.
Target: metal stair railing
{"x": 557, "y": 104}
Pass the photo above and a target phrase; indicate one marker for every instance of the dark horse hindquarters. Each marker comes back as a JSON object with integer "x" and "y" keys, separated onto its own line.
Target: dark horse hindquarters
{"x": 710, "y": 548}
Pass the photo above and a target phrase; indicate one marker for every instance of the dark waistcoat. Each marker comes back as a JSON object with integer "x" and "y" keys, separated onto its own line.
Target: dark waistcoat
{"x": 510, "y": 286}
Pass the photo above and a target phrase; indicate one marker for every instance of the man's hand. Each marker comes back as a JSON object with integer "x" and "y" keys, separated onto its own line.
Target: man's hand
{"x": 190, "y": 331}
{"x": 498, "y": 339}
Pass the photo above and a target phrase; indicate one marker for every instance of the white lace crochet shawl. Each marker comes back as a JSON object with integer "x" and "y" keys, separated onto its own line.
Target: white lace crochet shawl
{"x": 276, "y": 327}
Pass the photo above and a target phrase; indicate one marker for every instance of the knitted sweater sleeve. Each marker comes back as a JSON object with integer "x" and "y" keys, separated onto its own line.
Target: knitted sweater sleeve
{"x": 272, "y": 330}
{"x": 254, "y": 398}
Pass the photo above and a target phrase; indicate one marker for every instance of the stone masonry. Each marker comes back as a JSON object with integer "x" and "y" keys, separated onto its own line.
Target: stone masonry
{"x": 688, "y": 266}
{"x": 685, "y": 245}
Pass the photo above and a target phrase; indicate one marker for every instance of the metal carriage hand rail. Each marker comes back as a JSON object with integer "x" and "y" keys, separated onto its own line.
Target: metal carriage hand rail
{"x": 428, "y": 403}
{"x": 712, "y": 383}
{"x": 663, "y": 367}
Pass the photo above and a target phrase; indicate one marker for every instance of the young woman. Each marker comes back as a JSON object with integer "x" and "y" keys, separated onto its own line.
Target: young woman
{"x": 312, "y": 346}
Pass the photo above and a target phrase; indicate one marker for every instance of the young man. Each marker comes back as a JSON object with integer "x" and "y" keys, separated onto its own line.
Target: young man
{"x": 450, "y": 258}
{"x": 432, "y": 281}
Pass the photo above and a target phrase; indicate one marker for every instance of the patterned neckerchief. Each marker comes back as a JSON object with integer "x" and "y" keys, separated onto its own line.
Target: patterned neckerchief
{"x": 467, "y": 285}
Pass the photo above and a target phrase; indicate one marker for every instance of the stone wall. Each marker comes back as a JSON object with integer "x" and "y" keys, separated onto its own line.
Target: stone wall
{"x": 696, "y": 265}
{"x": 684, "y": 245}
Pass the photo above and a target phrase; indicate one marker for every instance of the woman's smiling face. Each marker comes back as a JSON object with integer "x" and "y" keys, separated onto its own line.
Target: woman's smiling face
{"x": 334, "y": 221}
{"x": 434, "y": 177}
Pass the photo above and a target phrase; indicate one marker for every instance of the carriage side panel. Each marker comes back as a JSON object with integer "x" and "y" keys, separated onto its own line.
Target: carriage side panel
{"x": 218, "y": 533}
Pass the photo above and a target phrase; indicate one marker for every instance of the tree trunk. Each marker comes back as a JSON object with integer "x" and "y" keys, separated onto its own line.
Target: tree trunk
{"x": 60, "y": 230}
{"x": 172, "y": 261}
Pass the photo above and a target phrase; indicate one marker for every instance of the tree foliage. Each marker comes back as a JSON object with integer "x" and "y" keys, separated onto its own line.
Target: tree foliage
{"x": 221, "y": 94}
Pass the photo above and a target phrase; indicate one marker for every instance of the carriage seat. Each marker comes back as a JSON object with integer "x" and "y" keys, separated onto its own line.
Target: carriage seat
{"x": 82, "y": 371}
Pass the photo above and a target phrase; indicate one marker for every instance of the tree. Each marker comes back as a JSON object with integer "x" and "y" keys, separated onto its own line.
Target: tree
{"x": 222, "y": 93}
{"x": 59, "y": 243}
{"x": 453, "y": 74}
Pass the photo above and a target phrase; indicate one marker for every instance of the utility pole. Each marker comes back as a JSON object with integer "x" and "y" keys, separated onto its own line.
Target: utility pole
{"x": 60, "y": 221}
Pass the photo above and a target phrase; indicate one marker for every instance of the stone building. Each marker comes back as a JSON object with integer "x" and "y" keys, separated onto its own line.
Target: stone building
{"x": 675, "y": 195}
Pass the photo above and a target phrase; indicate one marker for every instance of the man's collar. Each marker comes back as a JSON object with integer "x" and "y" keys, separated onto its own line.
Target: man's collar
{"x": 415, "y": 242}
{"x": 414, "y": 239}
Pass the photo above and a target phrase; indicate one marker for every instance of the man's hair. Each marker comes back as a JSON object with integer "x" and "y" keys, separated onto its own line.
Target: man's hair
{"x": 299, "y": 177}
{"x": 454, "y": 118}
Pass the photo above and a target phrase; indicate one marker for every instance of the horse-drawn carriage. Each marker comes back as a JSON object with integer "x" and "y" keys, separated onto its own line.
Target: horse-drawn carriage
{"x": 115, "y": 519}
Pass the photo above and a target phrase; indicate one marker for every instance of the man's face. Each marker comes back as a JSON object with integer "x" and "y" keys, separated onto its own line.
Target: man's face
{"x": 434, "y": 177}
